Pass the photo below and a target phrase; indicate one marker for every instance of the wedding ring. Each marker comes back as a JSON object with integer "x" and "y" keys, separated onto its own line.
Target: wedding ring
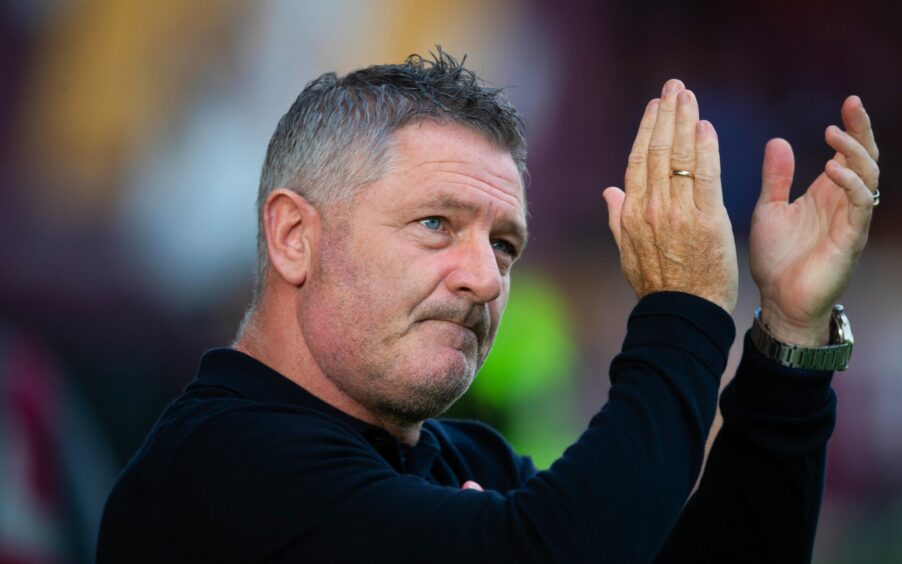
{"x": 876, "y": 196}
{"x": 681, "y": 172}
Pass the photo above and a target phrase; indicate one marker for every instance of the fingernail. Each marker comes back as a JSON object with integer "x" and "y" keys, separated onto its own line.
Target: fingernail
{"x": 653, "y": 105}
{"x": 671, "y": 86}
{"x": 685, "y": 97}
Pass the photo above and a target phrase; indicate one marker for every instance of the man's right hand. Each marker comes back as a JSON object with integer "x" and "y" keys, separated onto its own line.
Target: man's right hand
{"x": 673, "y": 232}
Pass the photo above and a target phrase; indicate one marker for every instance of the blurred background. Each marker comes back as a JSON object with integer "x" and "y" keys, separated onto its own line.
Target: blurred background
{"x": 131, "y": 142}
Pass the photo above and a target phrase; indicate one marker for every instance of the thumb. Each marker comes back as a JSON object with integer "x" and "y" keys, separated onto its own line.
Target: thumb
{"x": 776, "y": 174}
{"x": 613, "y": 197}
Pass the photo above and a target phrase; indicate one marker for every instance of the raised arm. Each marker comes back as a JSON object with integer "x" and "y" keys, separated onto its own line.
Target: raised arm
{"x": 760, "y": 495}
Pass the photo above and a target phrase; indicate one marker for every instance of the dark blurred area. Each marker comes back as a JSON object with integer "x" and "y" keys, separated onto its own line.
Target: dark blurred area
{"x": 132, "y": 139}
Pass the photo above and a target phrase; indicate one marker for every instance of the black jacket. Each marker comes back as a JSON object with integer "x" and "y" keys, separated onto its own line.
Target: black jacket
{"x": 247, "y": 466}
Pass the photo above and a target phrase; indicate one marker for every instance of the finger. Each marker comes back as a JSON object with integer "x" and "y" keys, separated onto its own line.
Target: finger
{"x": 777, "y": 171}
{"x": 636, "y": 168}
{"x": 707, "y": 192}
{"x": 858, "y": 124}
{"x": 855, "y": 155}
{"x": 851, "y": 183}
{"x": 661, "y": 143}
{"x": 683, "y": 155}
{"x": 614, "y": 197}
{"x": 862, "y": 201}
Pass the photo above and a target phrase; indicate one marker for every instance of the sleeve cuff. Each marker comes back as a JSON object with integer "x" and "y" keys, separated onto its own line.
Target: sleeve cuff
{"x": 683, "y": 321}
{"x": 771, "y": 388}
{"x": 789, "y": 412}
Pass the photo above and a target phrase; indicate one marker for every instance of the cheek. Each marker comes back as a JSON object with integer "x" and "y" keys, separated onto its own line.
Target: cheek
{"x": 496, "y": 310}
{"x": 365, "y": 286}
{"x": 414, "y": 274}
{"x": 336, "y": 291}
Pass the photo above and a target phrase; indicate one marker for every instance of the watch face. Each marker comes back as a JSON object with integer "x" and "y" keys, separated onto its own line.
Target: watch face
{"x": 836, "y": 332}
{"x": 840, "y": 329}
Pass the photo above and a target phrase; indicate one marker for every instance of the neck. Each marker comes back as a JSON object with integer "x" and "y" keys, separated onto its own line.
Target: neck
{"x": 270, "y": 335}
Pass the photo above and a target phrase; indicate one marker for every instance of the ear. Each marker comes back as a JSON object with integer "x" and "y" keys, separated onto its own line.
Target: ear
{"x": 291, "y": 226}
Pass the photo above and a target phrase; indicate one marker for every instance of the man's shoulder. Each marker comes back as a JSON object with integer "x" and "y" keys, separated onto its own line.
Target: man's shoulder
{"x": 237, "y": 421}
{"x": 204, "y": 424}
{"x": 215, "y": 461}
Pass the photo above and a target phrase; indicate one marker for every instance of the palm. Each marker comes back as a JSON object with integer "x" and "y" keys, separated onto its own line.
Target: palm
{"x": 801, "y": 253}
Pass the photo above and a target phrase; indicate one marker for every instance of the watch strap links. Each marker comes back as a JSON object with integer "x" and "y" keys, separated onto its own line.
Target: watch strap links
{"x": 834, "y": 356}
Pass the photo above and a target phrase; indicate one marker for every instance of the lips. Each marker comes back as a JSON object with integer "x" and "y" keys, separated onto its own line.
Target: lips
{"x": 472, "y": 317}
{"x": 472, "y": 329}
{"x": 475, "y": 330}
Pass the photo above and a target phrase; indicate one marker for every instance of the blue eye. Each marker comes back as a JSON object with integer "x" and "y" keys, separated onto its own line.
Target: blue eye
{"x": 432, "y": 223}
{"x": 504, "y": 247}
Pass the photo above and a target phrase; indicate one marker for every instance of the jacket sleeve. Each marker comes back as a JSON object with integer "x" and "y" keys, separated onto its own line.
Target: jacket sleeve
{"x": 760, "y": 495}
{"x": 614, "y": 496}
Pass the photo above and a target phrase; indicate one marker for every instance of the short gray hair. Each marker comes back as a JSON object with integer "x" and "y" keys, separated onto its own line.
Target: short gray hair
{"x": 335, "y": 136}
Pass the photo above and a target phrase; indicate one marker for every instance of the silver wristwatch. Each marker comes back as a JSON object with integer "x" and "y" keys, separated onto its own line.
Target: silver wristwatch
{"x": 834, "y": 356}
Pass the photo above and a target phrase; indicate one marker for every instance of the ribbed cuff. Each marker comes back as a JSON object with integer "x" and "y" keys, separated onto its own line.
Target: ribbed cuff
{"x": 788, "y": 412}
{"x": 771, "y": 388}
{"x": 683, "y": 321}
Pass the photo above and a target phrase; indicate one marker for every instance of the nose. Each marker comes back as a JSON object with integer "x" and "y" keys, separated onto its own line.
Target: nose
{"x": 476, "y": 275}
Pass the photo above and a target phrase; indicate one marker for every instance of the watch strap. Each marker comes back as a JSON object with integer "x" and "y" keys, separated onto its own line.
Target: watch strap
{"x": 834, "y": 356}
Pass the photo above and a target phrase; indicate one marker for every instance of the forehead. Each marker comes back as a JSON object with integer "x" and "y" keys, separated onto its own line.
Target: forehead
{"x": 458, "y": 159}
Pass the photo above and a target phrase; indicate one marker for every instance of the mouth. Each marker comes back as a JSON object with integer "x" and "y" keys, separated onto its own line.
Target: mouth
{"x": 476, "y": 320}
{"x": 467, "y": 327}
{"x": 472, "y": 330}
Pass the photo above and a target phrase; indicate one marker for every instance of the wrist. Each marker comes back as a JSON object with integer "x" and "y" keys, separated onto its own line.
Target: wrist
{"x": 833, "y": 355}
{"x": 811, "y": 333}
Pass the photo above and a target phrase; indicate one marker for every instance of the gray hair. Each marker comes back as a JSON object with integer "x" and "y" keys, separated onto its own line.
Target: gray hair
{"x": 336, "y": 135}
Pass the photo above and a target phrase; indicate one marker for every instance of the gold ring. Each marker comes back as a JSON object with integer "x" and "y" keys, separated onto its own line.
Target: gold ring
{"x": 681, "y": 172}
{"x": 876, "y": 196}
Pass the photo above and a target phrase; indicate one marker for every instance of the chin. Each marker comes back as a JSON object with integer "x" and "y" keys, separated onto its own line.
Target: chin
{"x": 431, "y": 389}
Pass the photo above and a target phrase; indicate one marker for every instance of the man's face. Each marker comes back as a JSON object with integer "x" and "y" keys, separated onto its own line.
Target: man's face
{"x": 410, "y": 279}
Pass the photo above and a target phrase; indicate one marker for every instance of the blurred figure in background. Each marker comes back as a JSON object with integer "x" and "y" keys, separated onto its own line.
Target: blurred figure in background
{"x": 54, "y": 461}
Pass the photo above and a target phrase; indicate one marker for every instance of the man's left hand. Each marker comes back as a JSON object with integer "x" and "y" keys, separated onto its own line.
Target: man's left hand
{"x": 802, "y": 253}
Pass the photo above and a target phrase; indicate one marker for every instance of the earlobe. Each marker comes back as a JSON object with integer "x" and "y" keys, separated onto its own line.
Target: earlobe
{"x": 291, "y": 225}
